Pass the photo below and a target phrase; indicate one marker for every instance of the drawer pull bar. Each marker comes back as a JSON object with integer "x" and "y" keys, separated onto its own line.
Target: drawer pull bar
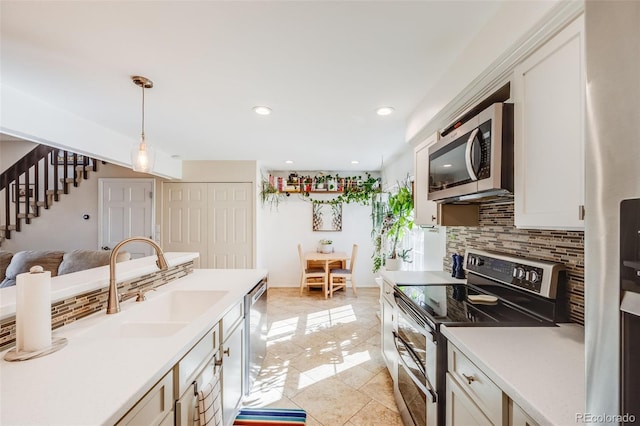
{"x": 469, "y": 378}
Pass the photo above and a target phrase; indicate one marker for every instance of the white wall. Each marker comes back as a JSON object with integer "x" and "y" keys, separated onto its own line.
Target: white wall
{"x": 280, "y": 232}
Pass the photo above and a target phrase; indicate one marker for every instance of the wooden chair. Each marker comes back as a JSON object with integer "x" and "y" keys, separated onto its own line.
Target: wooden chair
{"x": 338, "y": 277}
{"x": 310, "y": 276}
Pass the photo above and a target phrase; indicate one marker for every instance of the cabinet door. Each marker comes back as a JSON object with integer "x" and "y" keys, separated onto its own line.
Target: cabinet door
{"x": 425, "y": 211}
{"x": 154, "y": 407}
{"x": 461, "y": 410}
{"x": 549, "y": 92}
{"x": 388, "y": 326}
{"x": 232, "y": 373}
{"x": 517, "y": 416}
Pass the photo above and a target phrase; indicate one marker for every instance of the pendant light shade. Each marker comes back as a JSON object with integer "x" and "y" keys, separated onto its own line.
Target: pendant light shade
{"x": 142, "y": 155}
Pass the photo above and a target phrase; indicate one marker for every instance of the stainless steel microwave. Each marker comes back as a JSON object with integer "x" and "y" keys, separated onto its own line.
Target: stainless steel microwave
{"x": 475, "y": 160}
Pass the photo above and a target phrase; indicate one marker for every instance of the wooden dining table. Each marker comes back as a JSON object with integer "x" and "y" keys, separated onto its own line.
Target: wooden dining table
{"x": 336, "y": 259}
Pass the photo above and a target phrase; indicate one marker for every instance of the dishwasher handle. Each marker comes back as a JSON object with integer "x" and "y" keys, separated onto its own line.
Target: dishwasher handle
{"x": 258, "y": 291}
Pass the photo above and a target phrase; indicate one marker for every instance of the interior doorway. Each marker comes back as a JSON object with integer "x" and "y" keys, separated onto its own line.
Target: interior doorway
{"x": 126, "y": 209}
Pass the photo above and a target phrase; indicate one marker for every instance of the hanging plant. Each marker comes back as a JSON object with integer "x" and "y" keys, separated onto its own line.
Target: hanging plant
{"x": 352, "y": 193}
{"x": 270, "y": 195}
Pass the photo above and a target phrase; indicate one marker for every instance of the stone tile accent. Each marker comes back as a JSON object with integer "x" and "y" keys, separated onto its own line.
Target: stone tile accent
{"x": 497, "y": 232}
{"x": 74, "y": 308}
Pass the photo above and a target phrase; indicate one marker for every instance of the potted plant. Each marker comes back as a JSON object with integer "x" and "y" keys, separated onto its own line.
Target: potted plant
{"x": 320, "y": 182}
{"x": 400, "y": 215}
{"x": 269, "y": 194}
{"x": 307, "y": 183}
{"x": 326, "y": 246}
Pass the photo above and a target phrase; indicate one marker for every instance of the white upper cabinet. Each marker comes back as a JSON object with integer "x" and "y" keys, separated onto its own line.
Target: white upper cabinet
{"x": 549, "y": 94}
{"x": 425, "y": 211}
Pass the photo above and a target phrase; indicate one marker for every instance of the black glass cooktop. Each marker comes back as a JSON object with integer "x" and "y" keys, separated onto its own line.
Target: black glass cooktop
{"x": 459, "y": 304}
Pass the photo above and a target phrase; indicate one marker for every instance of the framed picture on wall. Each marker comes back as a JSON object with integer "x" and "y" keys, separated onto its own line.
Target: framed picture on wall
{"x": 327, "y": 217}
{"x": 22, "y": 192}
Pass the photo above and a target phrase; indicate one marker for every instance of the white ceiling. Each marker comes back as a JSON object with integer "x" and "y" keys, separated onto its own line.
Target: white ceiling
{"x": 322, "y": 66}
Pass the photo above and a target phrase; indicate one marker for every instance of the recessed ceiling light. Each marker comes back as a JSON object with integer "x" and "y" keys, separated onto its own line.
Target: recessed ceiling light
{"x": 355, "y": 162}
{"x": 385, "y": 110}
{"x": 262, "y": 110}
{"x": 446, "y": 165}
{"x": 288, "y": 161}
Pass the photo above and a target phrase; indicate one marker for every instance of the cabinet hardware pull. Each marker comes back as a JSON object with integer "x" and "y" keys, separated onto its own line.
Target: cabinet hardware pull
{"x": 469, "y": 378}
{"x": 581, "y": 212}
{"x": 217, "y": 362}
{"x": 433, "y": 218}
{"x": 227, "y": 351}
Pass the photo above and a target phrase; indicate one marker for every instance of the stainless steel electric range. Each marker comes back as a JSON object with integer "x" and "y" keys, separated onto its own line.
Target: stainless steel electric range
{"x": 501, "y": 290}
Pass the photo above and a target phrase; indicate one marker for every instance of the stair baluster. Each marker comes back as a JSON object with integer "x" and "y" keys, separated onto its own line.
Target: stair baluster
{"x": 31, "y": 199}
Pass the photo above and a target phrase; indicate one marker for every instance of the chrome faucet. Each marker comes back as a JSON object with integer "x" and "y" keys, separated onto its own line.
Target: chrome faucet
{"x": 113, "y": 302}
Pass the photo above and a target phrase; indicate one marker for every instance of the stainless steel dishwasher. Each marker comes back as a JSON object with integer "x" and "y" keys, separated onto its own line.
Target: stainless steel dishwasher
{"x": 255, "y": 308}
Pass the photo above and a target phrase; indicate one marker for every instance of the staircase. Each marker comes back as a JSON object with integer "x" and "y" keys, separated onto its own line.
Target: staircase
{"x": 35, "y": 182}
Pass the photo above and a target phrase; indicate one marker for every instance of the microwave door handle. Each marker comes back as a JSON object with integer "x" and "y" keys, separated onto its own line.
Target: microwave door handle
{"x": 469, "y": 152}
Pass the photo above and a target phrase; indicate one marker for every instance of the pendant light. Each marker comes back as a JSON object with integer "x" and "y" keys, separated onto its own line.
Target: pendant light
{"x": 142, "y": 155}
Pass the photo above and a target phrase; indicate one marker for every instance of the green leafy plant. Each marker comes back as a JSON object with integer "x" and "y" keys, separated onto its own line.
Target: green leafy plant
{"x": 401, "y": 216}
{"x": 404, "y": 255}
{"x": 269, "y": 194}
{"x": 379, "y": 211}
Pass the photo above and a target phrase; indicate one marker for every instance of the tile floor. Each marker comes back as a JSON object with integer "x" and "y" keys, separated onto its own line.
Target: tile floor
{"x": 324, "y": 356}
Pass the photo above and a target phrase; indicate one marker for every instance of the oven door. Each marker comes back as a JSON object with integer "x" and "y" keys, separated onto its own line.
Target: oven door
{"x": 416, "y": 400}
{"x": 415, "y": 343}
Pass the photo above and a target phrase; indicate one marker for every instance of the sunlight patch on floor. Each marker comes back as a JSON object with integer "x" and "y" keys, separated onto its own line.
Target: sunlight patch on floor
{"x": 336, "y": 365}
{"x": 283, "y": 328}
{"x": 330, "y": 317}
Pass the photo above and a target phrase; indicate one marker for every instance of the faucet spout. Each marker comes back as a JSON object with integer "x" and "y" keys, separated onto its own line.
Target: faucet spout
{"x": 113, "y": 301}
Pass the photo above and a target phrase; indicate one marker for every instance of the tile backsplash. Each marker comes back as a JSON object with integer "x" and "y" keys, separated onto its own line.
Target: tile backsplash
{"x": 497, "y": 232}
{"x": 66, "y": 311}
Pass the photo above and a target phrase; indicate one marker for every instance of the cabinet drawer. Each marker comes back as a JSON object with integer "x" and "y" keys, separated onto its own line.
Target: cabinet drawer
{"x": 154, "y": 407}
{"x": 232, "y": 319}
{"x": 486, "y": 394}
{"x": 387, "y": 292}
{"x": 192, "y": 363}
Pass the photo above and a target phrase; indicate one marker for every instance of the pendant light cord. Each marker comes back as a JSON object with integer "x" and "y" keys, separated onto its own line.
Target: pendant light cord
{"x": 142, "y": 112}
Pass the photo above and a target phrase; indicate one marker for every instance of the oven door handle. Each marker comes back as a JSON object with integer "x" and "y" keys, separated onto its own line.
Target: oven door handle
{"x": 429, "y": 388}
{"x": 469, "y": 152}
{"x": 409, "y": 318}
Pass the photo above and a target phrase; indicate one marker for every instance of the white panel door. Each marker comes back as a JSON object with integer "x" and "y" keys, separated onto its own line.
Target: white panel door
{"x": 126, "y": 210}
{"x": 230, "y": 225}
{"x": 185, "y": 218}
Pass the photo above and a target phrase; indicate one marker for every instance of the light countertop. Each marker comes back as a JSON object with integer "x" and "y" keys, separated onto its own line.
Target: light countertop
{"x": 541, "y": 368}
{"x": 96, "y": 380}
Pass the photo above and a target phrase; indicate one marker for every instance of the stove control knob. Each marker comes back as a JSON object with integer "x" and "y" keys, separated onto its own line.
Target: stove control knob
{"x": 534, "y": 276}
{"x": 479, "y": 261}
{"x": 519, "y": 273}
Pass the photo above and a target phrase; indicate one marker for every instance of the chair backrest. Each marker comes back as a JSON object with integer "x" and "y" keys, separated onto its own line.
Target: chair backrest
{"x": 301, "y": 255}
{"x": 354, "y": 255}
